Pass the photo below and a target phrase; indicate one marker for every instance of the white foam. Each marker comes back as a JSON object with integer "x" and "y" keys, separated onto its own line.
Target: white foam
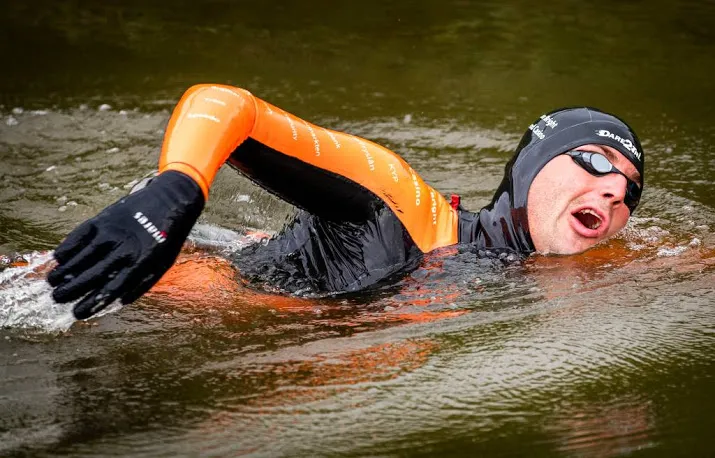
{"x": 675, "y": 251}
{"x": 225, "y": 240}
{"x": 26, "y": 301}
{"x": 242, "y": 198}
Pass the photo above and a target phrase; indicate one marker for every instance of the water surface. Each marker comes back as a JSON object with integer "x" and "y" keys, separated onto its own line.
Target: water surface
{"x": 609, "y": 353}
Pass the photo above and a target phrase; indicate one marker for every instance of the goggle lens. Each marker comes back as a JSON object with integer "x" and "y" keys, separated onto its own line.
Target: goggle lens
{"x": 601, "y": 163}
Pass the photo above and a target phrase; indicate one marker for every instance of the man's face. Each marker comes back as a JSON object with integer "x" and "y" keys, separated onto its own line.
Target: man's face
{"x": 570, "y": 210}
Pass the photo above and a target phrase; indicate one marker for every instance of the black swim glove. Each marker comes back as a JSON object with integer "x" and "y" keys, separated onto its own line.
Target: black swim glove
{"x": 123, "y": 251}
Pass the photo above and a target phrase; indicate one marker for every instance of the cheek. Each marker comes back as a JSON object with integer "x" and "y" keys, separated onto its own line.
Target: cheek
{"x": 550, "y": 186}
{"x": 553, "y": 197}
{"x": 620, "y": 219}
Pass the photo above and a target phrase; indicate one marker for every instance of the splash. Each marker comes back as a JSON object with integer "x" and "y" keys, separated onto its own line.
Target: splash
{"x": 25, "y": 296}
{"x": 26, "y": 301}
{"x": 210, "y": 237}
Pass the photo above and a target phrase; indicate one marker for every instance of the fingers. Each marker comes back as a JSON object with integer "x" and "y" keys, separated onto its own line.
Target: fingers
{"x": 86, "y": 258}
{"x": 91, "y": 279}
{"x": 97, "y": 300}
{"x": 150, "y": 276}
{"x": 143, "y": 287}
{"x": 75, "y": 242}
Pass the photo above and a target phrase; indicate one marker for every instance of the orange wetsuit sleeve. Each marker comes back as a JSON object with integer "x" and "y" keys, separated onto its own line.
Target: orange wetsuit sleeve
{"x": 208, "y": 123}
{"x": 213, "y": 123}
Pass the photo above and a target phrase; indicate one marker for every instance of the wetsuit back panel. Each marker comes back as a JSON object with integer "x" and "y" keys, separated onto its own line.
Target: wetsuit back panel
{"x": 314, "y": 255}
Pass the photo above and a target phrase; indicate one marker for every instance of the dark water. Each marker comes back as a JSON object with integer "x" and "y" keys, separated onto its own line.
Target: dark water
{"x": 609, "y": 353}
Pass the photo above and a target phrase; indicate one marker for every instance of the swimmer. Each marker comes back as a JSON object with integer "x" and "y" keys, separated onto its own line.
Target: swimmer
{"x": 366, "y": 217}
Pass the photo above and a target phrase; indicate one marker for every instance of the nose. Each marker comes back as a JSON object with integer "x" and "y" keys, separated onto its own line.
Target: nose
{"x": 613, "y": 187}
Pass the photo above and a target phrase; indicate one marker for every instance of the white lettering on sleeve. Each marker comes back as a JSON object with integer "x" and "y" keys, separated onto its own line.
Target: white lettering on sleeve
{"x": 418, "y": 192}
{"x": 225, "y": 90}
{"x": 333, "y": 138}
{"x": 366, "y": 152}
{"x": 433, "y": 208}
{"x": 316, "y": 142}
{"x": 216, "y": 101}
{"x": 203, "y": 116}
{"x": 393, "y": 172}
{"x": 292, "y": 126}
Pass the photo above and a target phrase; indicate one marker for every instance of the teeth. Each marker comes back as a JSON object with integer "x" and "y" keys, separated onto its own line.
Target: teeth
{"x": 596, "y": 224}
{"x": 588, "y": 211}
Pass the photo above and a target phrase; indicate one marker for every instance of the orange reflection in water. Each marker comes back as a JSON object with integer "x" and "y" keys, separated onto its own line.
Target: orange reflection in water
{"x": 298, "y": 375}
{"x": 203, "y": 280}
{"x": 611, "y": 264}
{"x": 306, "y": 380}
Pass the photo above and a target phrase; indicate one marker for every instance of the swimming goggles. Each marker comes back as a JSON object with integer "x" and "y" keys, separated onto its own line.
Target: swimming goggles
{"x": 598, "y": 165}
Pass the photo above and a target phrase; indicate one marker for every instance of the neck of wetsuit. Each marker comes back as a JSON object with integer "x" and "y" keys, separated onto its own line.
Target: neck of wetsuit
{"x": 496, "y": 226}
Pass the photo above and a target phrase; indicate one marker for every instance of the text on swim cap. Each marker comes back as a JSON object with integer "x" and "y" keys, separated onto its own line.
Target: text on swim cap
{"x": 623, "y": 141}
{"x": 550, "y": 122}
{"x": 538, "y": 132}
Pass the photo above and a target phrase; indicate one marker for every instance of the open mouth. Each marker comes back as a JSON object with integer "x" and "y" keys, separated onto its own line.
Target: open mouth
{"x": 588, "y": 218}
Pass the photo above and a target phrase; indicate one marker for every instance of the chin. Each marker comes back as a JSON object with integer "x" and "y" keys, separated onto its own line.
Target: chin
{"x": 570, "y": 247}
{"x": 560, "y": 251}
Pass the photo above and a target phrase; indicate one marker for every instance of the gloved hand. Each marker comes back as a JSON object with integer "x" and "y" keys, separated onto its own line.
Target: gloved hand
{"x": 124, "y": 250}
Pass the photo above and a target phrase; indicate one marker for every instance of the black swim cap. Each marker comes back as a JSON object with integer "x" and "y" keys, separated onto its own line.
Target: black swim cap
{"x": 560, "y": 131}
